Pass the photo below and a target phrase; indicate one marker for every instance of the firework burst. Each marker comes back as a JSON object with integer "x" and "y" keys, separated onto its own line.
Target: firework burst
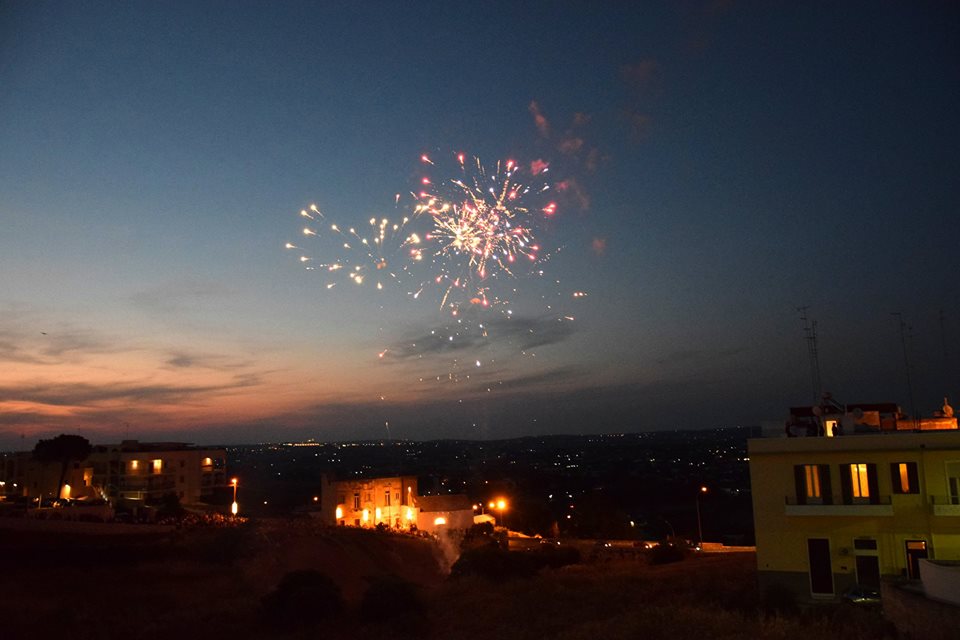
{"x": 483, "y": 226}
{"x": 378, "y": 253}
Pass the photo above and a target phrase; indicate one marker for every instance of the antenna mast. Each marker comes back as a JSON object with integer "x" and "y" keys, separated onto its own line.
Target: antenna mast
{"x": 810, "y": 336}
{"x": 905, "y": 332}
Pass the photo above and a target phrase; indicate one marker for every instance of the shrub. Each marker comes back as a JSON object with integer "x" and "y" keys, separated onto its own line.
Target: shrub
{"x": 665, "y": 554}
{"x": 555, "y": 557}
{"x": 390, "y": 599}
{"x": 494, "y": 563}
{"x": 303, "y": 598}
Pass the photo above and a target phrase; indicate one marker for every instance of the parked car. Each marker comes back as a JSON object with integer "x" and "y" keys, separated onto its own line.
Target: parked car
{"x": 860, "y": 594}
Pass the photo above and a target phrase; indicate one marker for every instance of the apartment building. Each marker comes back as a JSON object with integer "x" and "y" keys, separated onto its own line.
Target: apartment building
{"x": 130, "y": 472}
{"x": 834, "y": 512}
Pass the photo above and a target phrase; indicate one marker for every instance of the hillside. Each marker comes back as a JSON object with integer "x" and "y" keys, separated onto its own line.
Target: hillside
{"x": 187, "y": 583}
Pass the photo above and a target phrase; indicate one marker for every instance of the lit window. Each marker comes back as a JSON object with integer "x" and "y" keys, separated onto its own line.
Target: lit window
{"x": 812, "y": 483}
{"x": 157, "y": 466}
{"x": 812, "y": 477}
{"x": 409, "y": 514}
{"x": 904, "y": 477}
{"x": 860, "y": 487}
{"x": 134, "y": 465}
{"x": 366, "y": 515}
{"x": 379, "y": 514}
{"x": 439, "y": 521}
{"x": 208, "y": 462}
{"x": 339, "y": 513}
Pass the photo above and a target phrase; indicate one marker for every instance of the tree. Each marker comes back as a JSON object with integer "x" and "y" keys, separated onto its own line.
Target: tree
{"x": 63, "y": 449}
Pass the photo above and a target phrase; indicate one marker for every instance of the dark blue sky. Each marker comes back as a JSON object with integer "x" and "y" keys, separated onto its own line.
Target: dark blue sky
{"x": 728, "y": 163}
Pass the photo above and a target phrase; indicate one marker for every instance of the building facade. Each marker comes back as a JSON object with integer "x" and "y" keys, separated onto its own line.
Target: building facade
{"x": 834, "y": 512}
{"x": 131, "y": 472}
{"x": 444, "y": 513}
{"x": 368, "y": 502}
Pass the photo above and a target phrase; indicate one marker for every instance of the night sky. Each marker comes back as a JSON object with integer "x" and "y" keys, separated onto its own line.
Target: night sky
{"x": 724, "y": 164}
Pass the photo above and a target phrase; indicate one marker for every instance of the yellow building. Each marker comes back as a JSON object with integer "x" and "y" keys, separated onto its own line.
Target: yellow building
{"x": 833, "y": 512}
{"x": 370, "y": 501}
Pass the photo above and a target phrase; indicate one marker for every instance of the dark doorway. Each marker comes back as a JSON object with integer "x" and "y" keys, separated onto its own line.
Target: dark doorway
{"x": 916, "y": 549}
{"x": 821, "y": 573}
{"x": 868, "y": 571}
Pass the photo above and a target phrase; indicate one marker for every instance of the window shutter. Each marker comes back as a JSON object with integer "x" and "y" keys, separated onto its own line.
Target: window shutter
{"x": 914, "y": 474}
{"x": 825, "y": 489}
{"x": 800, "y": 482}
{"x": 846, "y": 489}
{"x": 872, "y": 483}
{"x": 895, "y": 477}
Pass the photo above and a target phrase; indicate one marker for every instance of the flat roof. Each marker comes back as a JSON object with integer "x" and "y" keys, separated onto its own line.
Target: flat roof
{"x": 887, "y": 440}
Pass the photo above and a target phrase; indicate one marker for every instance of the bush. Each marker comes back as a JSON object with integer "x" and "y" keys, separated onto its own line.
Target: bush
{"x": 303, "y": 598}
{"x": 390, "y": 599}
{"x": 665, "y": 554}
{"x": 494, "y": 563}
{"x": 555, "y": 557}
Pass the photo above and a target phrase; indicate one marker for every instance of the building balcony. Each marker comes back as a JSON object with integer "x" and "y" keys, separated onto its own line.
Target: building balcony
{"x": 880, "y": 507}
{"x": 945, "y": 505}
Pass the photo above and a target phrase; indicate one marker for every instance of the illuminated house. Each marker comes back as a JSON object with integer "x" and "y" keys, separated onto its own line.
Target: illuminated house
{"x": 132, "y": 472}
{"x": 438, "y": 513}
{"x": 833, "y": 512}
{"x": 370, "y": 501}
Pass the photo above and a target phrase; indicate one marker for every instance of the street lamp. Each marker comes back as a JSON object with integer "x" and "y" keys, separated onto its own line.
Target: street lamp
{"x": 233, "y": 507}
{"x": 501, "y": 505}
{"x": 699, "y": 524}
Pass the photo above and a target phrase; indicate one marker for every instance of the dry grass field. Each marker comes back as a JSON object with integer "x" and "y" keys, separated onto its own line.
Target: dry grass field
{"x": 204, "y": 582}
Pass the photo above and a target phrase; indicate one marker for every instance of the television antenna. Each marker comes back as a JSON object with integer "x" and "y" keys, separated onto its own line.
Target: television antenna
{"x": 810, "y": 337}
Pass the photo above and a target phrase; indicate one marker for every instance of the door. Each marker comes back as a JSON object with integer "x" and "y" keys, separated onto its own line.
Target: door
{"x": 821, "y": 572}
{"x": 868, "y": 571}
{"x": 916, "y": 550}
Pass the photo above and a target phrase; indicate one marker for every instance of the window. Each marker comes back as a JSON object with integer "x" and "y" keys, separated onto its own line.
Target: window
{"x": 386, "y": 498}
{"x": 858, "y": 480}
{"x": 183, "y": 463}
{"x": 157, "y": 466}
{"x": 813, "y": 484}
{"x": 356, "y": 501}
{"x": 859, "y": 483}
{"x": 134, "y": 466}
{"x": 953, "y": 481}
{"x": 864, "y": 544}
{"x": 812, "y": 474}
{"x": 904, "y": 477}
